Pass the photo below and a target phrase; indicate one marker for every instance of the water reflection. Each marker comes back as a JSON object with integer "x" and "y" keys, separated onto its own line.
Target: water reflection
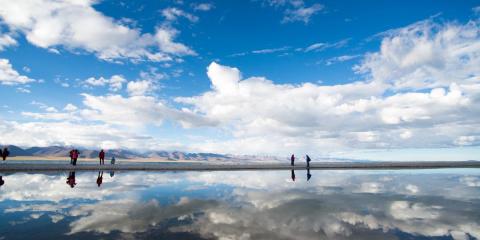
{"x": 100, "y": 178}
{"x": 71, "y": 179}
{"x": 1, "y": 181}
{"x": 244, "y": 205}
{"x": 293, "y": 175}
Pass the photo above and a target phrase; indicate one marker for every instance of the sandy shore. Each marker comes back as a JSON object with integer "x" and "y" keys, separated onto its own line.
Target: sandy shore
{"x": 185, "y": 166}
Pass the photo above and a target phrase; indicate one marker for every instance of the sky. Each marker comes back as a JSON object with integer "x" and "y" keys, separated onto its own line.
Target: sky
{"x": 348, "y": 79}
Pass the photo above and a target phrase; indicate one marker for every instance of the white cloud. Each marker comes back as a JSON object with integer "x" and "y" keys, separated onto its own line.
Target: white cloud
{"x": 295, "y": 10}
{"x": 203, "y": 6}
{"x": 70, "y": 107}
{"x": 115, "y": 82}
{"x": 77, "y": 25}
{"x": 342, "y": 58}
{"x": 139, "y": 88}
{"x": 165, "y": 36}
{"x": 301, "y": 14}
{"x": 318, "y": 47}
{"x": 172, "y": 14}
{"x": 426, "y": 55}
{"x": 6, "y": 40}
{"x": 9, "y": 76}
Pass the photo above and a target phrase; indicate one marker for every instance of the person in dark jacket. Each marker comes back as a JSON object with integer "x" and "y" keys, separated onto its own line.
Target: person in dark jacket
{"x": 292, "y": 160}
{"x": 71, "y": 156}
{"x": 5, "y": 153}
{"x": 101, "y": 156}
{"x": 308, "y": 161}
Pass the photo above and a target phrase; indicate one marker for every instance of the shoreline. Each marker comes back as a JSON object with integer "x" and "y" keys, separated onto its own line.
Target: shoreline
{"x": 189, "y": 166}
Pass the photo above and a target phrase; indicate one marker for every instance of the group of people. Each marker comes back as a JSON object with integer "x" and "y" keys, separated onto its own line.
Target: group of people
{"x": 307, "y": 158}
{"x": 5, "y": 153}
{"x": 292, "y": 163}
{"x": 74, "y": 154}
{"x": 71, "y": 181}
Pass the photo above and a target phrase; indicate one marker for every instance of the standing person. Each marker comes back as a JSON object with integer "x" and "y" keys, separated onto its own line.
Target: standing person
{"x": 71, "y": 156}
{"x": 101, "y": 156}
{"x": 292, "y": 160}
{"x": 5, "y": 153}
{"x": 100, "y": 178}
{"x": 308, "y": 161}
{"x": 113, "y": 160}
{"x": 75, "y": 155}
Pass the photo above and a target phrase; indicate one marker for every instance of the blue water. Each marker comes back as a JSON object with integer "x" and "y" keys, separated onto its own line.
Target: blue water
{"x": 333, "y": 204}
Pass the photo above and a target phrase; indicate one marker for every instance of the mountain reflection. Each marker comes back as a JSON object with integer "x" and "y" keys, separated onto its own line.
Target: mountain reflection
{"x": 245, "y": 205}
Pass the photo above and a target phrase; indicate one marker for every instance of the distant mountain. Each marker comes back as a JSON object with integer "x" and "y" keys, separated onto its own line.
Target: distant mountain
{"x": 62, "y": 151}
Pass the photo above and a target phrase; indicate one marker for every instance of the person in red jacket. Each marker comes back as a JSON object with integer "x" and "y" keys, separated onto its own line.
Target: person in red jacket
{"x": 101, "y": 156}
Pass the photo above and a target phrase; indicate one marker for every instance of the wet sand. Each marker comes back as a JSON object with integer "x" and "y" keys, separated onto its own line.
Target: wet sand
{"x": 12, "y": 166}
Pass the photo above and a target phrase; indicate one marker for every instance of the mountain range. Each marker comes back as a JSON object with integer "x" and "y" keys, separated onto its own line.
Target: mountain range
{"x": 63, "y": 151}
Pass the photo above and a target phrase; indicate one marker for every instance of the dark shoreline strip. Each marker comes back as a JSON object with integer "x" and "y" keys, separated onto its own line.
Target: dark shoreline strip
{"x": 28, "y": 167}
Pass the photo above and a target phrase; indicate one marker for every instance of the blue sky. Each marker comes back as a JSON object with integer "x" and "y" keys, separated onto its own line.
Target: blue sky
{"x": 257, "y": 77}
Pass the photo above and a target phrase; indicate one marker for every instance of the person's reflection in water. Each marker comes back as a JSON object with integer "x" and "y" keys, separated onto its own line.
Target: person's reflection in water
{"x": 1, "y": 181}
{"x": 100, "y": 178}
{"x": 112, "y": 173}
{"x": 293, "y": 175}
{"x": 71, "y": 179}
{"x": 308, "y": 174}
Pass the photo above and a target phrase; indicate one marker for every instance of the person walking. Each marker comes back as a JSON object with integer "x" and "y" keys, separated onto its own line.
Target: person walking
{"x": 101, "y": 156}
{"x": 292, "y": 160}
{"x": 5, "y": 153}
{"x": 308, "y": 161}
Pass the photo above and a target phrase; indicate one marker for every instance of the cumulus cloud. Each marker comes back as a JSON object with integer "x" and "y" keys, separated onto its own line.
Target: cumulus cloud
{"x": 77, "y": 25}
{"x": 10, "y": 76}
{"x": 139, "y": 88}
{"x": 426, "y": 55}
{"x": 115, "y": 82}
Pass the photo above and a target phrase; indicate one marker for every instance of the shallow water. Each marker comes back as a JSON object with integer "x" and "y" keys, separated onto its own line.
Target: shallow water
{"x": 334, "y": 204}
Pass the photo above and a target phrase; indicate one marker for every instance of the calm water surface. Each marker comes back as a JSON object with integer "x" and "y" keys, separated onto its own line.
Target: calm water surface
{"x": 403, "y": 204}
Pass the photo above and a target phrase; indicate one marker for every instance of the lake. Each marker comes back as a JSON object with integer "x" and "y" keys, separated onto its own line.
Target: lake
{"x": 319, "y": 204}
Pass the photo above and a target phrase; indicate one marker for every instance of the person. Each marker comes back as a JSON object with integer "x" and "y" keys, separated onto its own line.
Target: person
{"x": 1, "y": 181}
{"x": 101, "y": 156}
{"x": 308, "y": 174}
{"x": 292, "y": 160}
{"x": 113, "y": 160}
{"x": 308, "y": 161}
{"x": 5, "y": 153}
{"x": 71, "y": 156}
{"x": 71, "y": 179}
{"x": 100, "y": 178}
{"x": 293, "y": 175}
{"x": 75, "y": 155}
